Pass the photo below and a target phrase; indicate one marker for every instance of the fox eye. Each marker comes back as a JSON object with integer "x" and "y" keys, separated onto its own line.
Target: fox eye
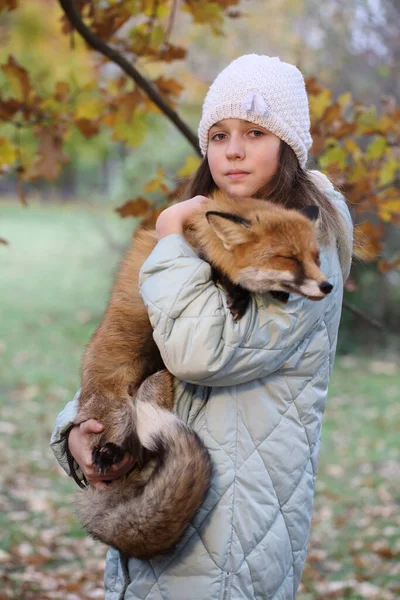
{"x": 287, "y": 257}
{"x": 318, "y": 260}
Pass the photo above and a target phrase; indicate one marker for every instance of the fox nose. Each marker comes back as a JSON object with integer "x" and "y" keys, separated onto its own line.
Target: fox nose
{"x": 326, "y": 287}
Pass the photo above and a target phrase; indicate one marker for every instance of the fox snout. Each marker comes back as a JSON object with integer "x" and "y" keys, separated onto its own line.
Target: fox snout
{"x": 326, "y": 287}
{"x": 314, "y": 289}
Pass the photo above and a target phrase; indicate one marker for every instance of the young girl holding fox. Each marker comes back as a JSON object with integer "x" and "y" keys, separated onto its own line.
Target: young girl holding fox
{"x": 254, "y": 390}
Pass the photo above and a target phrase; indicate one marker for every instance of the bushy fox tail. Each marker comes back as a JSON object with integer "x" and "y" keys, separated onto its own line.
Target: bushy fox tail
{"x": 146, "y": 512}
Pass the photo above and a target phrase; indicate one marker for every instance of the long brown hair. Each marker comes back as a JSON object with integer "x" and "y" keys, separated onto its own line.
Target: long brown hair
{"x": 291, "y": 187}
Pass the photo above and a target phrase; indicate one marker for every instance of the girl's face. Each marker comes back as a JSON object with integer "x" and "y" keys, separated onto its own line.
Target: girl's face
{"x": 242, "y": 156}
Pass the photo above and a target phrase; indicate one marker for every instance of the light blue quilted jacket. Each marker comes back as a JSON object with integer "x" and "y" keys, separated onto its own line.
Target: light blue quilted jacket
{"x": 255, "y": 392}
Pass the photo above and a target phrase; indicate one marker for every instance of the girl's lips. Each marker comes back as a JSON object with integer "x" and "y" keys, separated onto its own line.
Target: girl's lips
{"x": 238, "y": 175}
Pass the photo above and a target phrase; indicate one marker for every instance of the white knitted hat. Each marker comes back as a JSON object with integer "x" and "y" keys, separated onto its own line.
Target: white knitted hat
{"x": 265, "y": 91}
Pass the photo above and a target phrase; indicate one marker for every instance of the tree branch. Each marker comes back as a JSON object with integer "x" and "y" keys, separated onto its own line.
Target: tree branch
{"x": 98, "y": 44}
{"x": 170, "y": 21}
{"x": 150, "y": 26}
{"x": 362, "y": 315}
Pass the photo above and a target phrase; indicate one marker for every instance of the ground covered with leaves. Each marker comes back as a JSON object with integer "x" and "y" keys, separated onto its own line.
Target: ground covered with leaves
{"x": 56, "y": 275}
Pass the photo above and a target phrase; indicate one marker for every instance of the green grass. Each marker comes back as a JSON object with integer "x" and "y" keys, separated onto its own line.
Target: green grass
{"x": 56, "y": 274}
{"x": 55, "y": 278}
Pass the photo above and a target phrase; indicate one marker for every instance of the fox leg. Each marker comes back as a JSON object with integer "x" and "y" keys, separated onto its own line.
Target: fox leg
{"x": 119, "y": 417}
{"x": 238, "y": 297}
{"x": 159, "y": 388}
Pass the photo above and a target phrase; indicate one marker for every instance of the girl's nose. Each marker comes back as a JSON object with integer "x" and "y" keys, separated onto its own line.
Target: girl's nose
{"x": 234, "y": 149}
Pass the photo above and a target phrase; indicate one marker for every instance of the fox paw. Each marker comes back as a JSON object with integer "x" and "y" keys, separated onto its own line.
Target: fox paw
{"x": 236, "y": 314}
{"x": 238, "y": 301}
{"x": 104, "y": 457}
{"x": 237, "y": 309}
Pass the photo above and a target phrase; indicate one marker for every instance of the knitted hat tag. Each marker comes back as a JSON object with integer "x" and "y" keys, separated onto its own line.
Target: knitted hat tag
{"x": 255, "y": 103}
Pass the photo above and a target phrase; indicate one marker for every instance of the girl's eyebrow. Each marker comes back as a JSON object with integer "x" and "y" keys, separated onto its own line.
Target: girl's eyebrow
{"x": 220, "y": 124}
{"x": 217, "y": 124}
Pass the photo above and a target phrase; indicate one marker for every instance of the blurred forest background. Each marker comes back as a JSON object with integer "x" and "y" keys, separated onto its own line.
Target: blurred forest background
{"x": 86, "y": 155}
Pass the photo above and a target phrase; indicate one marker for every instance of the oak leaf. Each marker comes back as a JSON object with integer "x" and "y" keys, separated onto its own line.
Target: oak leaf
{"x": 134, "y": 208}
{"x": 157, "y": 183}
{"x": 168, "y": 87}
{"x": 62, "y": 91}
{"x": 50, "y": 153}
{"x": 18, "y": 80}
{"x": 8, "y": 5}
{"x": 88, "y": 128}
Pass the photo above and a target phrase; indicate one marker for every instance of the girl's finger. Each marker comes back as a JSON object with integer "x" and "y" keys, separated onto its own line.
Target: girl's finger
{"x": 92, "y": 426}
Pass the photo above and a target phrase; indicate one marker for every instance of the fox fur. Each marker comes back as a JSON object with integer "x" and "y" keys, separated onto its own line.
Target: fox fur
{"x": 252, "y": 246}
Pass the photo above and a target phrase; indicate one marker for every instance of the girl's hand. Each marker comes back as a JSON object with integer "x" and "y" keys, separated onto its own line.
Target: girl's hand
{"x": 79, "y": 445}
{"x": 173, "y": 218}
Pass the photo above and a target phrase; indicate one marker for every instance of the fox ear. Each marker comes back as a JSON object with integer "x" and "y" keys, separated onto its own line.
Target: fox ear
{"x": 311, "y": 212}
{"x": 231, "y": 229}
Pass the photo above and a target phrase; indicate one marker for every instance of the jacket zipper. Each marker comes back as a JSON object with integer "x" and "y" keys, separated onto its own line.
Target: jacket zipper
{"x": 125, "y": 572}
{"x": 227, "y": 586}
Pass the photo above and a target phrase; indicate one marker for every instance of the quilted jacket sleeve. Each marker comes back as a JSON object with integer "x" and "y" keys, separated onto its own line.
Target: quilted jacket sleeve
{"x": 57, "y": 442}
{"x": 194, "y": 330}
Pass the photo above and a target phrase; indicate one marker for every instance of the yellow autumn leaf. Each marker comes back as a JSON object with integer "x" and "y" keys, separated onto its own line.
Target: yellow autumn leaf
{"x": 191, "y": 164}
{"x": 152, "y": 186}
{"x": 376, "y": 148}
{"x": 389, "y": 171}
{"x": 386, "y": 123}
{"x": 90, "y": 86}
{"x": 158, "y": 9}
{"x": 367, "y": 121}
{"x": 158, "y": 182}
{"x": 345, "y": 99}
{"x": 18, "y": 80}
{"x": 319, "y": 104}
{"x": 163, "y": 10}
{"x": 385, "y": 215}
{"x": 51, "y": 104}
{"x": 112, "y": 86}
{"x": 332, "y": 156}
{"x": 205, "y": 12}
{"x": 89, "y": 109}
{"x": 8, "y": 153}
{"x": 157, "y": 35}
{"x": 133, "y": 132}
{"x": 352, "y": 147}
{"x": 389, "y": 209}
{"x": 358, "y": 173}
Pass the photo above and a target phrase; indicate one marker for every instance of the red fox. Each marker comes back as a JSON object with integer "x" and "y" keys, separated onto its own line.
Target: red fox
{"x": 252, "y": 246}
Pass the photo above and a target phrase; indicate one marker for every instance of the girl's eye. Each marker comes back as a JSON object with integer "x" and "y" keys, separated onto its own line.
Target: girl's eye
{"x": 257, "y": 132}
{"x": 218, "y": 137}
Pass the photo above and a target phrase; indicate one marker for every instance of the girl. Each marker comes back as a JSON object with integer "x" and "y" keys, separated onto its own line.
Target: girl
{"x": 255, "y": 390}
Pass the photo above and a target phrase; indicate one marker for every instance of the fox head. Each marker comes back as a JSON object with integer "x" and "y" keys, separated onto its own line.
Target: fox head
{"x": 264, "y": 247}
